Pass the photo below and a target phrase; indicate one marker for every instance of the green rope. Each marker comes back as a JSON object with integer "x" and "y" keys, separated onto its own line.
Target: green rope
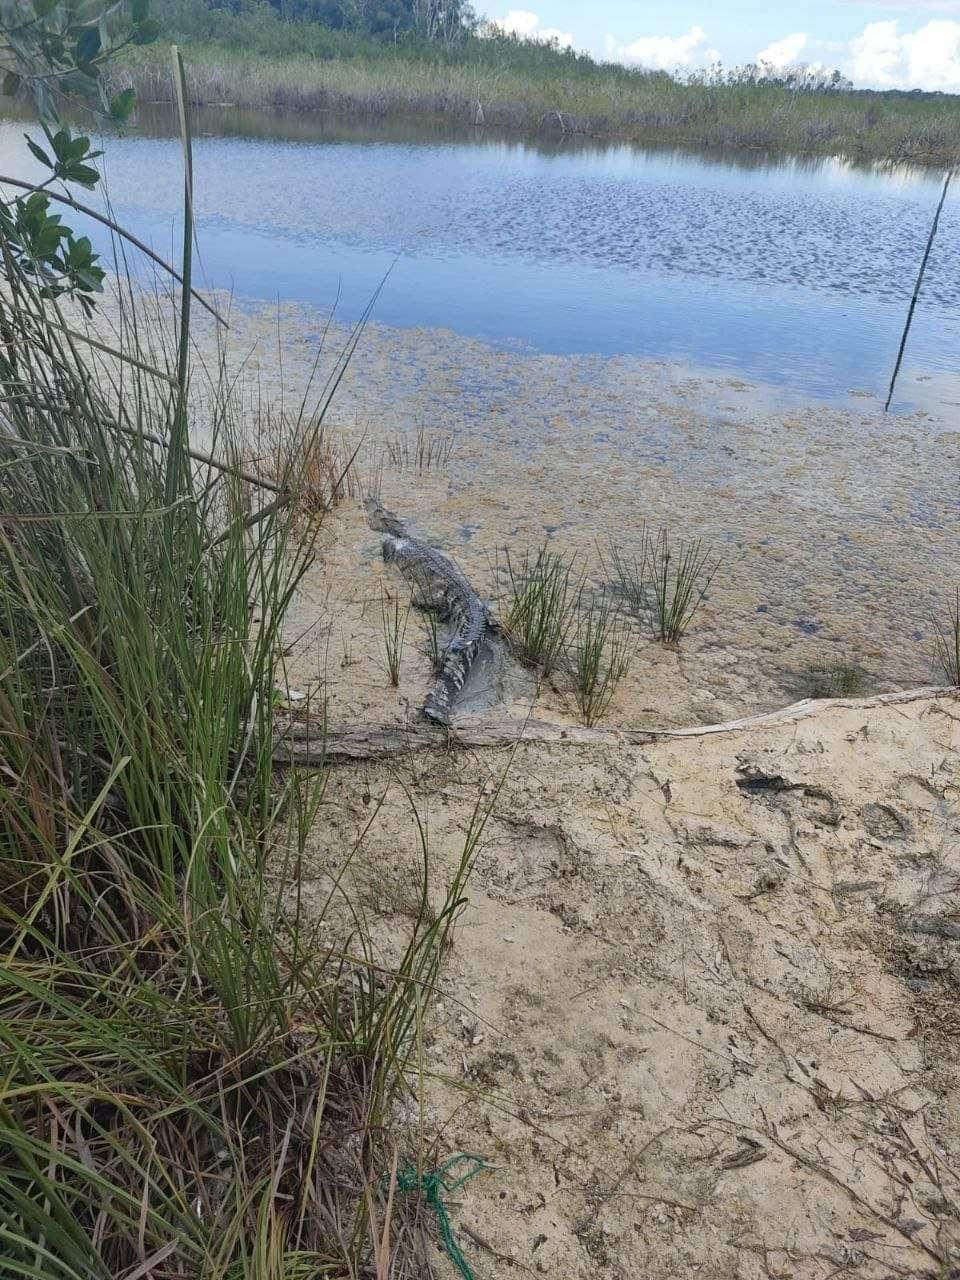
{"x": 434, "y": 1186}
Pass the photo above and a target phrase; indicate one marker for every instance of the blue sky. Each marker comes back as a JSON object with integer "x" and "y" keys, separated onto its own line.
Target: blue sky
{"x": 877, "y": 43}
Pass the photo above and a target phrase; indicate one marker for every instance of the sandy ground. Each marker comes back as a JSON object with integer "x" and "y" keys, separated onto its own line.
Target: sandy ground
{"x": 700, "y": 1011}
{"x": 700, "y": 1014}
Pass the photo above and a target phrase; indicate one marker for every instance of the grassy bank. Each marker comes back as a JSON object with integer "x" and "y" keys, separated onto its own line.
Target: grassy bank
{"x": 255, "y": 60}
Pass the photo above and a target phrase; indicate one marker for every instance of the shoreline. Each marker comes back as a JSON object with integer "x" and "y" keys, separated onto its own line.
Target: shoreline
{"x": 695, "y": 117}
{"x": 824, "y": 566}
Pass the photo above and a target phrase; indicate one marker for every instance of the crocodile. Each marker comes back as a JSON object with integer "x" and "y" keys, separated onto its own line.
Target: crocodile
{"x": 441, "y": 588}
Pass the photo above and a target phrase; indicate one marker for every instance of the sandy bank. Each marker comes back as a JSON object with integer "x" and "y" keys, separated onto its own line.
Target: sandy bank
{"x": 701, "y": 1009}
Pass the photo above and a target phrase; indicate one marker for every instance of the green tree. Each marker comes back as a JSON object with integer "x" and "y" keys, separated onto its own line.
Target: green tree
{"x": 53, "y": 51}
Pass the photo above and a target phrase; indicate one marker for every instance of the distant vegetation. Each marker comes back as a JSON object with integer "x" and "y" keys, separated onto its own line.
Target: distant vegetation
{"x": 418, "y": 57}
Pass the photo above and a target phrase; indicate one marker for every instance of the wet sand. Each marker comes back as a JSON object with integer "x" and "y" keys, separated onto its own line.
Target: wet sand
{"x": 838, "y": 528}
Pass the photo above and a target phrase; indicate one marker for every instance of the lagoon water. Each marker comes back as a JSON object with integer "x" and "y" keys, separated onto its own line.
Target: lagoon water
{"x": 795, "y": 272}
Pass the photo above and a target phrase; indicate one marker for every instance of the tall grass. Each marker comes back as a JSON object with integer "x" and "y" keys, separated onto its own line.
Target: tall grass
{"x": 543, "y": 591}
{"x": 664, "y": 583}
{"x": 260, "y": 61}
{"x": 194, "y": 1080}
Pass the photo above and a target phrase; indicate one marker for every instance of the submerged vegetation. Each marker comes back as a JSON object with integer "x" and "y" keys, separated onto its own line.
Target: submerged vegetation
{"x": 253, "y": 55}
{"x": 839, "y": 678}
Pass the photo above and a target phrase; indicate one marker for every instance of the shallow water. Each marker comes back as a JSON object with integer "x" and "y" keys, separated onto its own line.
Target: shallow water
{"x": 794, "y": 272}
{"x": 837, "y": 527}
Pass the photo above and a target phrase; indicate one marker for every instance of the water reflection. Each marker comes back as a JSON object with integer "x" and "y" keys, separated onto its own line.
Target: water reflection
{"x": 157, "y": 121}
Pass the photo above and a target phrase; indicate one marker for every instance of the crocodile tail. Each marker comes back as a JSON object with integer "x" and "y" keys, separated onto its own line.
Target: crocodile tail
{"x": 448, "y": 684}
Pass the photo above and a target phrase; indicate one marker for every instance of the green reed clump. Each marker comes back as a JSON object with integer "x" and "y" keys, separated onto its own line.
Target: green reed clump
{"x": 393, "y": 621}
{"x": 680, "y": 575}
{"x": 601, "y": 657}
{"x": 948, "y": 642}
{"x": 543, "y": 590}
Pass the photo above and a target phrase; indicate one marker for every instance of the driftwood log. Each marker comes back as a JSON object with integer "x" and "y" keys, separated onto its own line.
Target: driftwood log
{"x": 306, "y": 744}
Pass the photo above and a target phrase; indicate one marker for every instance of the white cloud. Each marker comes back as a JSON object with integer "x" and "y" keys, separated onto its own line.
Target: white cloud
{"x": 785, "y": 52}
{"x": 520, "y": 22}
{"x": 928, "y": 58}
{"x": 663, "y": 53}
{"x": 526, "y": 25}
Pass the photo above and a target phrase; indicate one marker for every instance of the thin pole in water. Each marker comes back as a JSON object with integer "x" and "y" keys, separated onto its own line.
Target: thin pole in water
{"x": 916, "y": 291}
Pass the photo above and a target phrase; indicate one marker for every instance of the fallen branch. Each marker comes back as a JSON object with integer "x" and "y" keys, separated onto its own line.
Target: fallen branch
{"x": 306, "y": 744}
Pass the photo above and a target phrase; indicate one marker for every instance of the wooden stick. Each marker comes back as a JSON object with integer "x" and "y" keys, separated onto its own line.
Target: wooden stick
{"x": 916, "y": 291}
{"x": 208, "y": 459}
{"x": 311, "y": 745}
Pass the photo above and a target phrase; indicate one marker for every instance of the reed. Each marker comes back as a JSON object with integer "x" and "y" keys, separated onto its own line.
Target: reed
{"x": 680, "y": 575}
{"x": 627, "y": 574}
{"x": 948, "y": 642}
{"x": 303, "y": 67}
{"x": 427, "y": 451}
{"x": 602, "y": 653}
{"x": 543, "y": 589}
{"x": 219, "y": 1071}
{"x": 325, "y": 466}
{"x": 393, "y": 633}
{"x": 434, "y": 645}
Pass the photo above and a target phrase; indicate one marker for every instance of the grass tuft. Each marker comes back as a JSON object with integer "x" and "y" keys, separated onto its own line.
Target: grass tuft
{"x": 318, "y": 462}
{"x": 627, "y": 575}
{"x": 427, "y": 451}
{"x": 680, "y": 575}
{"x": 837, "y": 679}
{"x": 948, "y": 642}
{"x": 543, "y": 589}
{"x": 394, "y": 630}
{"x": 434, "y": 643}
{"x": 602, "y": 653}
